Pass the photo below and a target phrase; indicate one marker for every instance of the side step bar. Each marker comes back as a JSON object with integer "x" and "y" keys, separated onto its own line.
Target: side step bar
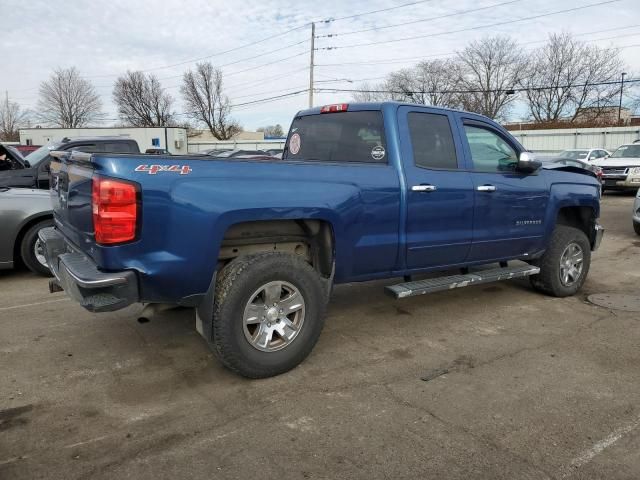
{"x": 430, "y": 285}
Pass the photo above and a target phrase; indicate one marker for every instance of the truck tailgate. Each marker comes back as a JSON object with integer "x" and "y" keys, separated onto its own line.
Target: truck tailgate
{"x": 71, "y": 177}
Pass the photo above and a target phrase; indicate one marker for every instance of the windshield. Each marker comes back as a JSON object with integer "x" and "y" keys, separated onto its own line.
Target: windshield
{"x": 35, "y": 157}
{"x": 627, "y": 151}
{"x": 574, "y": 154}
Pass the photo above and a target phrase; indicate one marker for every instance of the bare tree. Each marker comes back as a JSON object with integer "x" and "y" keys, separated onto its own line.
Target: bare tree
{"x": 67, "y": 100}
{"x": 141, "y": 101}
{"x": 569, "y": 70}
{"x": 205, "y": 99}
{"x": 11, "y": 118}
{"x": 368, "y": 92}
{"x": 433, "y": 82}
{"x": 272, "y": 130}
{"x": 489, "y": 69}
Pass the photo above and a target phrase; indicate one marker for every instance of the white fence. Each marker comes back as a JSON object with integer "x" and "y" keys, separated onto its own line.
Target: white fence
{"x": 539, "y": 141}
{"x": 195, "y": 147}
{"x": 557, "y": 140}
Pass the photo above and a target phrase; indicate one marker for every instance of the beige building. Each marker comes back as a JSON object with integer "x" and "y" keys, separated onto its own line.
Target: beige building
{"x": 604, "y": 115}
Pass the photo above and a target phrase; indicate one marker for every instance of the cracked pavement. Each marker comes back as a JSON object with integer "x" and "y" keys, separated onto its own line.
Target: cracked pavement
{"x": 519, "y": 385}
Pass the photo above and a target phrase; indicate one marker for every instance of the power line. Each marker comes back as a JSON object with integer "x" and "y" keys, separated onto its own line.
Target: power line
{"x": 389, "y": 61}
{"x": 501, "y": 90}
{"x": 437, "y": 34}
{"x": 374, "y": 11}
{"x": 250, "y": 44}
{"x": 422, "y": 20}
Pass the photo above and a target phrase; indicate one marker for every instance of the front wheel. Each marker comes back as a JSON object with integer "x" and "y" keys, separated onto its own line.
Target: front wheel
{"x": 268, "y": 313}
{"x": 636, "y": 227}
{"x": 565, "y": 264}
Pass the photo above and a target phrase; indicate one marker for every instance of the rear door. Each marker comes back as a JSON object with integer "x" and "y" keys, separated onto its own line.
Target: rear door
{"x": 510, "y": 206}
{"x": 439, "y": 201}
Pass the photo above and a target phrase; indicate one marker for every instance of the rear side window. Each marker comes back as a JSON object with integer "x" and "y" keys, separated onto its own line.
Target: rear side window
{"x": 120, "y": 147}
{"x": 432, "y": 141}
{"x": 350, "y": 137}
{"x": 87, "y": 148}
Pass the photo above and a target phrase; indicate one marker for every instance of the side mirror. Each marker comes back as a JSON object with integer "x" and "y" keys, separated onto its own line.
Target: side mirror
{"x": 527, "y": 163}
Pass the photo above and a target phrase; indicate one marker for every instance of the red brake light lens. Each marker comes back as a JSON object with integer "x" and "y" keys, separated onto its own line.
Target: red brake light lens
{"x": 339, "y": 107}
{"x": 115, "y": 210}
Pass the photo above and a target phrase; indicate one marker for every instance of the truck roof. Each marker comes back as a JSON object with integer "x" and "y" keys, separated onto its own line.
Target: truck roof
{"x": 355, "y": 106}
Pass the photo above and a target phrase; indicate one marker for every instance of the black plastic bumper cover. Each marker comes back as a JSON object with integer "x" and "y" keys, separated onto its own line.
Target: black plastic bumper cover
{"x": 79, "y": 276}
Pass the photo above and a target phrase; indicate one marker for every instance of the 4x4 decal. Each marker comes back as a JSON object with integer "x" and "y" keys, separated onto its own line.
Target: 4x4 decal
{"x": 153, "y": 169}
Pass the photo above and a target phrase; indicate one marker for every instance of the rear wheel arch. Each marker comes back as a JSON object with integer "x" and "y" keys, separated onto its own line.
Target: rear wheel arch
{"x": 311, "y": 239}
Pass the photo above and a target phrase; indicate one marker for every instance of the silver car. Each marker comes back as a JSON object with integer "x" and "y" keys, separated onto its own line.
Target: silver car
{"x": 636, "y": 213}
{"x": 23, "y": 213}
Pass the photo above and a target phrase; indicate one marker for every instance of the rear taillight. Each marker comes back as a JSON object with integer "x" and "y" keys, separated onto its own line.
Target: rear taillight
{"x": 115, "y": 210}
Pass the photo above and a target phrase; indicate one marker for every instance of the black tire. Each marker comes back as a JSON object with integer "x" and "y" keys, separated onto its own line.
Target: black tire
{"x": 636, "y": 227}
{"x": 235, "y": 286}
{"x": 27, "y": 248}
{"x": 549, "y": 279}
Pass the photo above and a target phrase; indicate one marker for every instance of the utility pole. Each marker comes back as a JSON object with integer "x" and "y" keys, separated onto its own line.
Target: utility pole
{"x": 620, "y": 104}
{"x": 313, "y": 44}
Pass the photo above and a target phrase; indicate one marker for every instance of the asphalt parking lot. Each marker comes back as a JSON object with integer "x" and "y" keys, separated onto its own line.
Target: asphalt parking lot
{"x": 535, "y": 387}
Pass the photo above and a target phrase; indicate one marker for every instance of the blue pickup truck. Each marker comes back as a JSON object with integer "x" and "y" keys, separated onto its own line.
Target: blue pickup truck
{"x": 363, "y": 191}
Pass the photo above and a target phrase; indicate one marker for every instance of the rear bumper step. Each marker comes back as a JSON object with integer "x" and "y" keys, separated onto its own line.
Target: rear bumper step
{"x": 80, "y": 278}
{"x": 438, "y": 284}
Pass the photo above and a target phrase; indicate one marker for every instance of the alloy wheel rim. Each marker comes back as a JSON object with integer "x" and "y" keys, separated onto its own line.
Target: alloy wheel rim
{"x": 571, "y": 264}
{"x": 273, "y": 316}
{"x": 38, "y": 251}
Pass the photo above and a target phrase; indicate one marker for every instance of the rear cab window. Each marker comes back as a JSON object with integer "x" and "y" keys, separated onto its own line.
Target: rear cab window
{"x": 344, "y": 137}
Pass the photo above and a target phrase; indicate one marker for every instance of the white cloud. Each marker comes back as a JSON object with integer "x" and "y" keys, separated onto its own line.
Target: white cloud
{"x": 103, "y": 39}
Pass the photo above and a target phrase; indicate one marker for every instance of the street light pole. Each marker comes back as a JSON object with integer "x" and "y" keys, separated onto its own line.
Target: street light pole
{"x": 621, "y": 89}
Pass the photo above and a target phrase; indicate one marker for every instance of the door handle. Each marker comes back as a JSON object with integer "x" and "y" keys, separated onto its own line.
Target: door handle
{"x": 424, "y": 188}
{"x": 486, "y": 188}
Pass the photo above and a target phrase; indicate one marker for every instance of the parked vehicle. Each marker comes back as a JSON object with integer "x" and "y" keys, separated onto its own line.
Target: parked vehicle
{"x": 237, "y": 153}
{"x": 23, "y": 213}
{"x": 27, "y": 149}
{"x": 32, "y": 171}
{"x": 157, "y": 151}
{"x": 586, "y": 154}
{"x": 636, "y": 213}
{"x": 275, "y": 152}
{"x": 621, "y": 171}
{"x": 363, "y": 192}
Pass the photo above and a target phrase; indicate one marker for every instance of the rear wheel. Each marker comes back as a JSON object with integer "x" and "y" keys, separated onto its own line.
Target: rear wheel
{"x": 565, "y": 264}
{"x": 32, "y": 249}
{"x": 268, "y": 313}
{"x": 636, "y": 227}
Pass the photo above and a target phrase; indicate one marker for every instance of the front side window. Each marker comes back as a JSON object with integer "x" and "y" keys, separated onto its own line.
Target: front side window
{"x": 489, "y": 152}
{"x": 432, "y": 141}
{"x": 350, "y": 137}
{"x": 627, "y": 151}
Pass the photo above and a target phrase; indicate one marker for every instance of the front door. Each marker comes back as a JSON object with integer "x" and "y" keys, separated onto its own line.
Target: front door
{"x": 439, "y": 199}
{"x": 510, "y": 206}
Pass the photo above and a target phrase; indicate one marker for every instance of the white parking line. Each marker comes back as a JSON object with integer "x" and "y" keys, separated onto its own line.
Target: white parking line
{"x": 586, "y": 456}
{"x": 2, "y": 309}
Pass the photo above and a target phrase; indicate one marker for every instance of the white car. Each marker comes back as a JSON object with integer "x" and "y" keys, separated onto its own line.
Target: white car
{"x": 621, "y": 171}
{"x": 586, "y": 154}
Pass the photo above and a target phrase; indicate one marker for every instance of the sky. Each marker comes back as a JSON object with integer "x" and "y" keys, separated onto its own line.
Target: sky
{"x": 105, "y": 39}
